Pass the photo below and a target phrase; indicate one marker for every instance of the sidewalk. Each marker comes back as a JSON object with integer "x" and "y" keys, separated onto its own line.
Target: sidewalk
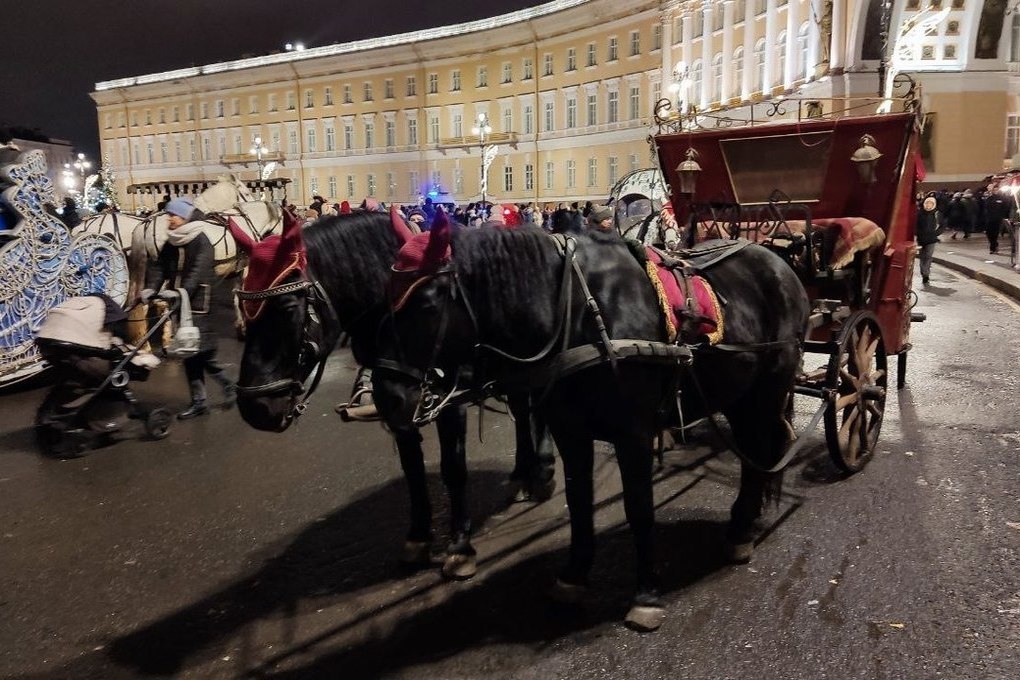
{"x": 971, "y": 257}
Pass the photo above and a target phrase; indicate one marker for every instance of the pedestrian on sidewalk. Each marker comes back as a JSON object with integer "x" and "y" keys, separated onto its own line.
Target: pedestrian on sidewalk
{"x": 995, "y": 213}
{"x": 927, "y": 233}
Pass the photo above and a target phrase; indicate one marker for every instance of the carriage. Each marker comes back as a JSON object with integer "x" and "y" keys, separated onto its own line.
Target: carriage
{"x": 833, "y": 195}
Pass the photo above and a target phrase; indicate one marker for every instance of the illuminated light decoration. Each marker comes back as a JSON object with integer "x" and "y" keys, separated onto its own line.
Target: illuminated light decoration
{"x": 43, "y": 265}
{"x": 912, "y": 33}
{"x": 426, "y": 35}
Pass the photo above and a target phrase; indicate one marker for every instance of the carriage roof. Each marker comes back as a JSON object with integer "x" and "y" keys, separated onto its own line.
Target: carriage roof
{"x": 197, "y": 186}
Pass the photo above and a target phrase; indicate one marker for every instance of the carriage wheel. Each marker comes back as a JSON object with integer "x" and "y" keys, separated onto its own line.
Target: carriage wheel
{"x": 856, "y": 378}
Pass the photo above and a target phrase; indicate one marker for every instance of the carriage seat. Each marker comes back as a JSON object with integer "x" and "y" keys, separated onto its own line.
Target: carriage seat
{"x": 848, "y": 235}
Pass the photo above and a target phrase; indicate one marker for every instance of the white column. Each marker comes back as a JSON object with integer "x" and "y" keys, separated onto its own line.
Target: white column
{"x": 727, "y": 52}
{"x": 792, "y": 54}
{"x": 837, "y": 47}
{"x": 706, "y": 54}
{"x": 814, "y": 38}
{"x": 666, "y": 21}
{"x": 749, "y": 67}
{"x": 771, "y": 22}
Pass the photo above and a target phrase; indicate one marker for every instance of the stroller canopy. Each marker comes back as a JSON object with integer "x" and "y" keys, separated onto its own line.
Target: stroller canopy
{"x": 78, "y": 320}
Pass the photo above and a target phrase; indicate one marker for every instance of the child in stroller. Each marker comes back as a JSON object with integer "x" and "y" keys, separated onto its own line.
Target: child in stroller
{"x": 82, "y": 338}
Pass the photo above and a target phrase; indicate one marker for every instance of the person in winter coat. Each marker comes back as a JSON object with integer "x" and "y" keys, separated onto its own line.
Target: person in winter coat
{"x": 186, "y": 261}
{"x": 927, "y": 233}
{"x": 995, "y": 213}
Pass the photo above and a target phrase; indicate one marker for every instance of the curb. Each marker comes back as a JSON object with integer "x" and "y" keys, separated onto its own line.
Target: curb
{"x": 1005, "y": 287}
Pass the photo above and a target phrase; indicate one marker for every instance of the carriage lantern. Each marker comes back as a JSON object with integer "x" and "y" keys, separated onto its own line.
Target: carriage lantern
{"x": 866, "y": 157}
{"x": 688, "y": 172}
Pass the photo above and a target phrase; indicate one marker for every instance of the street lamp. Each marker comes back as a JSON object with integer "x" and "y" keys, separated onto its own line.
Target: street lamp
{"x": 481, "y": 129}
{"x": 257, "y": 149}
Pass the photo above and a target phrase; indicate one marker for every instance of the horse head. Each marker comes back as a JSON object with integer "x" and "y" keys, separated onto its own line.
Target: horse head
{"x": 291, "y": 327}
{"x": 225, "y": 194}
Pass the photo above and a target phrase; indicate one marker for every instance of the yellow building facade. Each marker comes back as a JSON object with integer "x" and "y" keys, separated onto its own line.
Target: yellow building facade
{"x": 567, "y": 88}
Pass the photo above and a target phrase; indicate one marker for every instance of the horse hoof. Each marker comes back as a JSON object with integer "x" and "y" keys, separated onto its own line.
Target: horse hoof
{"x": 459, "y": 567}
{"x": 740, "y": 553}
{"x": 567, "y": 593}
{"x": 365, "y": 414}
{"x": 416, "y": 553}
{"x": 537, "y": 492}
{"x": 645, "y": 618}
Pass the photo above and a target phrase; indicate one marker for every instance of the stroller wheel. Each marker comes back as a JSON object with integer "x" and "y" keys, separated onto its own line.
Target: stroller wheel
{"x": 157, "y": 423}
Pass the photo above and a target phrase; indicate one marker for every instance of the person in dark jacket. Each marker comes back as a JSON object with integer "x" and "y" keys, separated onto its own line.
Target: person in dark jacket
{"x": 995, "y": 213}
{"x": 186, "y": 261}
{"x": 927, "y": 233}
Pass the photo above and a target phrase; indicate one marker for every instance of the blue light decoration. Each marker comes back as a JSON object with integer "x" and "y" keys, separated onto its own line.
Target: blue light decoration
{"x": 41, "y": 264}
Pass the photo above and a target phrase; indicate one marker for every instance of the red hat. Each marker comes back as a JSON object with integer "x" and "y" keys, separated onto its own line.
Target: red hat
{"x": 345, "y": 208}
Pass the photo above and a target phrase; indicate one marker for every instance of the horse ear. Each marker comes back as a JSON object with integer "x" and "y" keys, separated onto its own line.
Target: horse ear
{"x": 291, "y": 224}
{"x": 439, "y": 241}
{"x": 244, "y": 241}
{"x": 399, "y": 226}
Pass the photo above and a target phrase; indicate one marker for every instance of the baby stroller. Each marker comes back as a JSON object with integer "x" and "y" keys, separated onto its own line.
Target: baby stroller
{"x": 82, "y": 339}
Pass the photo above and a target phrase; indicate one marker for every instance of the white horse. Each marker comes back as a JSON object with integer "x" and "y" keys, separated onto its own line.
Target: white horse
{"x": 226, "y": 199}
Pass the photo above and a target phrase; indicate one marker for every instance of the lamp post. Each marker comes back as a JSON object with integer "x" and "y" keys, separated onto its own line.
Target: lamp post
{"x": 257, "y": 149}
{"x": 482, "y": 129}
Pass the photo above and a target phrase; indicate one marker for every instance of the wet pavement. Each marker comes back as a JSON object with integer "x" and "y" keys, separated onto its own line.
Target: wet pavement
{"x": 225, "y": 552}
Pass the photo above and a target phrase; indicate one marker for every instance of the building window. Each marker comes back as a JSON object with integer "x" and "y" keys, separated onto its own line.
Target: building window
{"x": 348, "y": 136}
{"x": 311, "y": 139}
{"x": 148, "y": 113}
{"x": 592, "y": 60}
{"x": 593, "y": 102}
{"x": 571, "y": 59}
{"x": 290, "y": 101}
{"x": 718, "y": 18}
{"x": 529, "y": 177}
{"x": 699, "y": 25}
{"x": 739, "y": 11}
{"x": 527, "y": 69}
{"x": 613, "y": 170}
{"x": 368, "y": 92}
{"x": 270, "y": 104}
{"x": 391, "y": 134}
{"x": 388, "y": 88}
{"x": 206, "y": 150}
{"x": 656, "y": 92}
{"x": 121, "y": 118}
{"x": 547, "y": 64}
{"x": 571, "y": 112}
{"x": 458, "y": 181}
{"x": 350, "y": 186}
{"x": 550, "y": 174}
{"x": 802, "y": 50}
{"x": 738, "y": 71}
{"x": 632, "y": 161}
{"x": 678, "y": 28}
{"x": 108, "y": 121}
{"x": 717, "y": 93}
{"x": 163, "y": 155}
{"x": 275, "y": 143}
{"x": 1014, "y": 38}
{"x": 369, "y": 135}
{"x": 313, "y": 184}
{"x": 759, "y": 66}
{"x": 529, "y": 119}
{"x": 656, "y": 37}
{"x": 483, "y": 76}
{"x": 162, "y": 115}
{"x": 412, "y": 181}
{"x": 508, "y": 119}
{"x": 177, "y": 150}
{"x": 237, "y": 144}
{"x": 458, "y": 125}
{"x": 593, "y": 172}
{"x": 412, "y": 89}
{"x": 292, "y": 140}
{"x": 634, "y": 103}
{"x": 455, "y": 80}
{"x": 571, "y": 174}
{"x": 371, "y": 184}
{"x": 508, "y": 74}
{"x": 348, "y": 97}
{"x": 1012, "y": 135}
{"x": 412, "y": 132}
{"x": 760, "y": 7}
{"x": 508, "y": 178}
{"x": 327, "y": 99}
{"x": 330, "y": 138}
{"x": 697, "y": 81}
{"x": 635, "y": 43}
{"x": 191, "y": 149}
{"x": 331, "y": 184}
{"x": 614, "y": 106}
{"x": 550, "y": 111}
{"x": 391, "y": 186}
{"x": 309, "y": 99}
{"x": 433, "y": 83}
{"x": 433, "y": 128}
{"x": 613, "y": 49}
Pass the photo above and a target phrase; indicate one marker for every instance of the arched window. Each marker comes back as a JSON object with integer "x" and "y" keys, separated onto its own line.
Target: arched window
{"x": 780, "y": 75}
{"x": 759, "y": 66}
{"x": 738, "y": 71}
{"x": 802, "y": 50}
{"x": 717, "y": 79}
{"x": 697, "y": 82}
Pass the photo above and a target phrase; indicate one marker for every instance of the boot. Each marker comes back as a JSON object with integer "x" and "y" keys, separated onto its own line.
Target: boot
{"x": 229, "y": 389}
{"x": 198, "y": 406}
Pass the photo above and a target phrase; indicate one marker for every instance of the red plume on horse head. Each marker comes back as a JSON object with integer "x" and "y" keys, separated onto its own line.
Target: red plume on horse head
{"x": 274, "y": 257}
{"x": 400, "y": 227}
{"x": 437, "y": 252}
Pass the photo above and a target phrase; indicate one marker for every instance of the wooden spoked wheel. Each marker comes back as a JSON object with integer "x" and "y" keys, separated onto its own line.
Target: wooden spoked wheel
{"x": 856, "y": 380}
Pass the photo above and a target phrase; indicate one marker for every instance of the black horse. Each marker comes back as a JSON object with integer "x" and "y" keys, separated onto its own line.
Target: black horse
{"x": 513, "y": 295}
{"x": 302, "y": 290}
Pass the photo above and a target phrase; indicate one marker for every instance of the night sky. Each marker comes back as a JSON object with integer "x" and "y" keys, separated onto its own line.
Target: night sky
{"x": 53, "y": 52}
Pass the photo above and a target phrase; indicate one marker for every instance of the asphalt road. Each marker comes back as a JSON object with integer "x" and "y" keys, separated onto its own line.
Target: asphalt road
{"x": 223, "y": 552}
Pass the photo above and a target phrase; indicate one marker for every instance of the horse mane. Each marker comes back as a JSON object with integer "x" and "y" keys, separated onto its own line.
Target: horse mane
{"x": 507, "y": 272}
{"x": 351, "y": 255}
